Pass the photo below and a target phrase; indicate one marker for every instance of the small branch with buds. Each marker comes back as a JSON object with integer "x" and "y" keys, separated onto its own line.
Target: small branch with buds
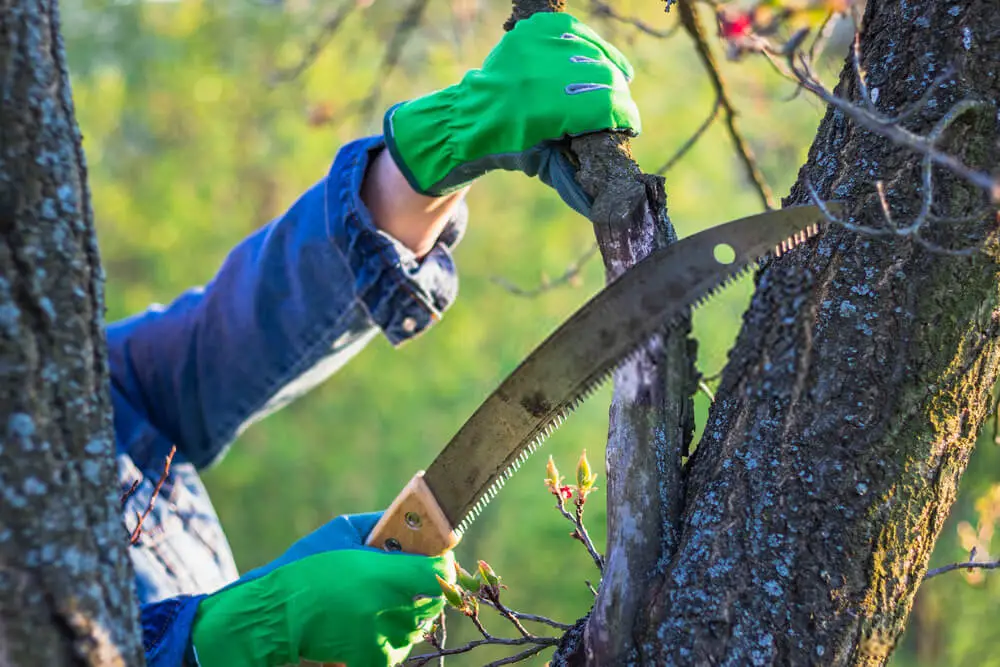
{"x": 467, "y": 595}
{"x": 584, "y": 486}
{"x": 470, "y": 592}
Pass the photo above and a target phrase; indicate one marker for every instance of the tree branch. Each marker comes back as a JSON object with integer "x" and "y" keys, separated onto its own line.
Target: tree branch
{"x": 326, "y": 32}
{"x": 968, "y": 565}
{"x": 580, "y": 533}
{"x": 568, "y": 277}
{"x": 603, "y": 9}
{"x": 537, "y": 644}
{"x": 811, "y": 461}
{"x": 692, "y": 140}
{"x": 799, "y": 68}
{"x": 653, "y": 389}
{"x": 534, "y": 618}
{"x": 390, "y": 59}
{"x": 867, "y": 115}
{"x": 693, "y": 26}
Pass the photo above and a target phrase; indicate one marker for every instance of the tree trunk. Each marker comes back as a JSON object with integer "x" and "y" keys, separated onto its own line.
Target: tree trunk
{"x": 854, "y": 394}
{"x": 66, "y": 582}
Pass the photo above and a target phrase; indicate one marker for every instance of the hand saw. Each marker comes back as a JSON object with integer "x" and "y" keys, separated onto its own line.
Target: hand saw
{"x": 430, "y": 514}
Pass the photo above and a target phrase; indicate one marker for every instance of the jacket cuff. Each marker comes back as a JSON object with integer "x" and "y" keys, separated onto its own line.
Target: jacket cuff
{"x": 403, "y": 295}
{"x": 166, "y": 631}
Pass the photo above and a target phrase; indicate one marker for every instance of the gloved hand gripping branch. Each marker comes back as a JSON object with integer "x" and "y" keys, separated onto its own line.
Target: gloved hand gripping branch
{"x": 549, "y": 79}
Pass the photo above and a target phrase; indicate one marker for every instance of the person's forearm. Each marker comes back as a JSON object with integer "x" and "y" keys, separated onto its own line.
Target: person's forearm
{"x": 413, "y": 219}
{"x": 300, "y": 297}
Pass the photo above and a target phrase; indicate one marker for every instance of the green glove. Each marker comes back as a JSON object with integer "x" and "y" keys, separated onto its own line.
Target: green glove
{"x": 550, "y": 78}
{"x": 327, "y": 599}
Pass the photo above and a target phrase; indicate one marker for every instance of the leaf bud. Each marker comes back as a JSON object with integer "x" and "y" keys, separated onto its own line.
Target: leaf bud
{"x": 451, "y": 594}
{"x": 489, "y": 576}
{"x": 470, "y": 582}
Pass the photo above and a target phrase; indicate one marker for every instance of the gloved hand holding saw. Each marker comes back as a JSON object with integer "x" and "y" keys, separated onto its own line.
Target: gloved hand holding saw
{"x": 327, "y": 599}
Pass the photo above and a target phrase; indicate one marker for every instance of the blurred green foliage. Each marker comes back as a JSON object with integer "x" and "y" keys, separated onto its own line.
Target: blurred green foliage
{"x": 193, "y": 139}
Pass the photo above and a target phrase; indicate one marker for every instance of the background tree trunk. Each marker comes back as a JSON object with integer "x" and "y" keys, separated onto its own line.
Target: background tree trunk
{"x": 854, "y": 394}
{"x": 66, "y": 582}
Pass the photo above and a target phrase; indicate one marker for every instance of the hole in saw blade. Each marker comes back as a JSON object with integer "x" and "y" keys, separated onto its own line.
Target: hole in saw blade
{"x": 724, "y": 253}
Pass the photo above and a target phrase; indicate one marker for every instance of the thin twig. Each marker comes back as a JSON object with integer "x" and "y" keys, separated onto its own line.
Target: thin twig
{"x": 603, "y": 9}
{"x": 534, "y": 618}
{"x": 705, "y": 389}
{"x": 859, "y": 73}
{"x": 581, "y": 533}
{"x": 539, "y": 643}
{"x": 326, "y": 33}
{"x": 442, "y": 638}
{"x": 129, "y": 493}
{"x": 692, "y": 140}
{"x": 823, "y": 34}
{"x": 491, "y": 595}
{"x": 517, "y": 657}
{"x": 890, "y": 128}
{"x": 401, "y": 35}
{"x": 996, "y": 421}
{"x": 568, "y": 276}
{"x": 867, "y": 115}
{"x": 479, "y": 625}
{"x": 968, "y": 565}
{"x": 692, "y": 24}
{"x": 884, "y": 203}
{"x": 137, "y": 532}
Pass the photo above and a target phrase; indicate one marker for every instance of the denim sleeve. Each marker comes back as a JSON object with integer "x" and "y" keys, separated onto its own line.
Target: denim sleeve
{"x": 289, "y": 306}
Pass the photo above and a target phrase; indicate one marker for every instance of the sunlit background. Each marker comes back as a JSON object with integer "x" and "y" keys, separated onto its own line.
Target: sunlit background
{"x": 198, "y": 130}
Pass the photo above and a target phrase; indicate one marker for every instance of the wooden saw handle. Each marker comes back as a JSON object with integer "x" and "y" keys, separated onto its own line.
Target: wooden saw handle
{"x": 414, "y": 523}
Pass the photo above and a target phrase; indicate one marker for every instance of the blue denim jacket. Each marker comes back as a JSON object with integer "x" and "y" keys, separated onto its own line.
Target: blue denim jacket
{"x": 300, "y": 297}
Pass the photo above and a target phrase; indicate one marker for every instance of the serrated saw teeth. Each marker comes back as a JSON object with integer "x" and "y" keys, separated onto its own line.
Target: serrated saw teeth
{"x": 589, "y": 388}
{"x": 795, "y": 240}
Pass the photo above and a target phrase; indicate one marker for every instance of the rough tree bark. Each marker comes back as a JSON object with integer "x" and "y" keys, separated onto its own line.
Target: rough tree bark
{"x": 66, "y": 582}
{"x": 850, "y": 404}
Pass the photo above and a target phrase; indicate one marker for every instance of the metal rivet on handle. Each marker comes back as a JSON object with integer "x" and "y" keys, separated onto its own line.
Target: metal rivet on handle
{"x": 412, "y": 520}
{"x": 392, "y": 544}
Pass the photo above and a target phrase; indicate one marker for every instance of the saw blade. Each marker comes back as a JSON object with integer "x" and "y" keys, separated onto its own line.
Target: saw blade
{"x": 585, "y": 350}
